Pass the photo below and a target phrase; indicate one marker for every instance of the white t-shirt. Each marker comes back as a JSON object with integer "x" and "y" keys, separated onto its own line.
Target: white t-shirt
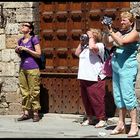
{"x": 90, "y": 64}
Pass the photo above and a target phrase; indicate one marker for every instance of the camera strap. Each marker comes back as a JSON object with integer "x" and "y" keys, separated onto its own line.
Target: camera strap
{"x": 84, "y": 46}
{"x": 126, "y": 32}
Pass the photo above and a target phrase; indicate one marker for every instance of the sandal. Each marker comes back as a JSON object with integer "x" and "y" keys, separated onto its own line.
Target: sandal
{"x": 120, "y": 131}
{"x": 133, "y": 134}
{"x": 100, "y": 124}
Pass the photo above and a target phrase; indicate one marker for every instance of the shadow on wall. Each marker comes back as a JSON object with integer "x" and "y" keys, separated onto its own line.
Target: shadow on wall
{"x": 1, "y": 82}
{"x": 44, "y": 100}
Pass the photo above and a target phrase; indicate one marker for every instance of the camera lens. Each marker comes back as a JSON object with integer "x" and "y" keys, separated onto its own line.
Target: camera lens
{"x": 84, "y": 38}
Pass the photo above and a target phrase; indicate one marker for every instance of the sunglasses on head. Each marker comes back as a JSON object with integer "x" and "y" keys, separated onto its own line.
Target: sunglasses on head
{"x": 26, "y": 25}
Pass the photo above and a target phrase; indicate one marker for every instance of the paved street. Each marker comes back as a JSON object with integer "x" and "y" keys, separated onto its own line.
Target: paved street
{"x": 55, "y": 126}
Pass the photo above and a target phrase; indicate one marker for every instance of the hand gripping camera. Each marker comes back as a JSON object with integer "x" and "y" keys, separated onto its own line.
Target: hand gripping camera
{"x": 84, "y": 38}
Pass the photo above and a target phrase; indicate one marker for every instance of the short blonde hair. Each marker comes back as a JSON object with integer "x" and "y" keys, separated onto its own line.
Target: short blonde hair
{"x": 128, "y": 15}
{"x": 97, "y": 34}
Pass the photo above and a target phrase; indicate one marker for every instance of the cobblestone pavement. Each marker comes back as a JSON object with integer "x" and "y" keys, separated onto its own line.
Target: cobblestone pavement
{"x": 56, "y": 126}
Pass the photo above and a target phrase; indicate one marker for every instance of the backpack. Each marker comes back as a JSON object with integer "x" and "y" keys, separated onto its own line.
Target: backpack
{"x": 42, "y": 60}
{"x": 107, "y": 67}
{"x": 106, "y": 53}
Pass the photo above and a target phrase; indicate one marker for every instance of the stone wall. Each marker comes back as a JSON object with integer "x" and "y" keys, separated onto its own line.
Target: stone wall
{"x": 17, "y": 13}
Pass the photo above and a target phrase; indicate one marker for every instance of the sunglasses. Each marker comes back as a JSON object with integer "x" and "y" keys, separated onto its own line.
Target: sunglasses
{"x": 26, "y": 25}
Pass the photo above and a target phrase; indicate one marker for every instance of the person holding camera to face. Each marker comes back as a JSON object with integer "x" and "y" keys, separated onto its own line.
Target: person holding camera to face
{"x": 125, "y": 69}
{"x": 91, "y": 53}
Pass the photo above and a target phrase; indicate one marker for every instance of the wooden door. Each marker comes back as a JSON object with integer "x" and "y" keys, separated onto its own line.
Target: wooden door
{"x": 61, "y": 24}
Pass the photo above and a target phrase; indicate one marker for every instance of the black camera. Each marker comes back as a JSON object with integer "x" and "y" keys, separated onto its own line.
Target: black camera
{"x": 107, "y": 20}
{"x": 84, "y": 38}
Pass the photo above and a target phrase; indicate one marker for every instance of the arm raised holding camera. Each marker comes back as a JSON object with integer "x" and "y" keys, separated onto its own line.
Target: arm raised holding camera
{"x": 78, "y": 50}
{"x": 89, "y": 41}
{"x": 92, "y": 42}
{"x": 84, "y": 42}
{"x": 108, "y": 29}
{"x": 121, "y": 40}
{"x": 108, "y": 39}
{"x": 118, "y": 37}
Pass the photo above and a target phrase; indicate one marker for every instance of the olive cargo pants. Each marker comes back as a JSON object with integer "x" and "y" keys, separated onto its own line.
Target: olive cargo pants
{"x": 29, "y": 81}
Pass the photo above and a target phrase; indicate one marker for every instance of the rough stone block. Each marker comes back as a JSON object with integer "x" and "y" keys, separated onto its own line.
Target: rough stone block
{"x": 2, "y": 98}
{"x": 17, "y": 4}
{"x": 1, "y": 31}
{"x": 11, "y": 41}
{"x": 27, "y": 15}
{"x": 1, "y": 82}
{"x": 10, "y": 14}
{"x": 138, "y": 94}
{"x": 24, "y": 15}
{"x": 2, "y": 111}
{"x": 14, "y": 56}
{"x": 137, "y": 83}
{"x": 10, "y": 84}
{"x": 3, "y": 105}
{"x": 1, "y": 67}
{"x": 0, "y": 55}
{"x": 2, "y": 42}
{"x": 12, "y": 28}
{"x": 138, "y": 57}
{"x": 6, "y": 55}
{"x": 17, "y": 69}
{"x": 13, "y": 97}
{"x": 14, "y": 109}
{"x": 8, "y": 69}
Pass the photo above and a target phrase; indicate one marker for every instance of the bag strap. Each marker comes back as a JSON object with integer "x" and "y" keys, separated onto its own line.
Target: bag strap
{"x": 100, "y": 58}
{"x": 32, "y": 41}
{"x": 20, "y": 40}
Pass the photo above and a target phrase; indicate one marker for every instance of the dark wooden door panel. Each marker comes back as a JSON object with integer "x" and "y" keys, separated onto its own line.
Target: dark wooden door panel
{"x": 61, "y": 24}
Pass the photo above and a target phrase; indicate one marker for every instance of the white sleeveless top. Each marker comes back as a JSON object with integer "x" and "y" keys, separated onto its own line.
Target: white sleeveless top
{"x": 90, "y": 64}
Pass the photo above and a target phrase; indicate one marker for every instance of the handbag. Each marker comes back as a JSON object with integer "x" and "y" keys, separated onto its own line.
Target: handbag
{"x": 107, "y": 67}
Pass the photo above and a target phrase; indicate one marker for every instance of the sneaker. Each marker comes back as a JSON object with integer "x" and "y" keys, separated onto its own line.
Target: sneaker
{"x": 87, "y": 122}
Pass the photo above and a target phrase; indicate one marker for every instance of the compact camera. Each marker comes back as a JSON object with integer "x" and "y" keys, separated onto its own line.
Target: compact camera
{"x": 107, "y": 20}
{"x": 84, "y": 38}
